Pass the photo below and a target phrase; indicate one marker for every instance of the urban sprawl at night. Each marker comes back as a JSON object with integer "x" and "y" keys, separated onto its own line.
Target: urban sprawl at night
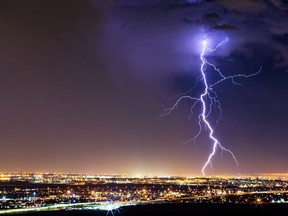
{"x": 46, "y": 191}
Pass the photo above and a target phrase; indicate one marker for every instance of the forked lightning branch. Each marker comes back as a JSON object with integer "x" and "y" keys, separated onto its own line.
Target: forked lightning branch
{"x": 208, "y": 99}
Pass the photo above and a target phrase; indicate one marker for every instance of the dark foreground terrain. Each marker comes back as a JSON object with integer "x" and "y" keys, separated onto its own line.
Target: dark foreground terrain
{"x": 180, "y": 209}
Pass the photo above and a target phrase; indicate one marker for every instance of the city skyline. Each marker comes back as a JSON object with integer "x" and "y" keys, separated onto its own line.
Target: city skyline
{"x": 35, "y": 193}
{"x": 83, "y": 84}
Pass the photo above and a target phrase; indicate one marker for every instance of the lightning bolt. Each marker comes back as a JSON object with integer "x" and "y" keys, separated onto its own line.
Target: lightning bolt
{"x": 207, "y": 99}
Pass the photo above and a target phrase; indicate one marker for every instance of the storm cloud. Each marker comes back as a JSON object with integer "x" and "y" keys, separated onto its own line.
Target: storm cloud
{"x": 170, "y": 31}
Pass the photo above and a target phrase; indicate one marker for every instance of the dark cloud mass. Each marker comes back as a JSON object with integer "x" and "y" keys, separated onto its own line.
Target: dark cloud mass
{"x": 83, "y": 82}
{"x": 260, "y": 21}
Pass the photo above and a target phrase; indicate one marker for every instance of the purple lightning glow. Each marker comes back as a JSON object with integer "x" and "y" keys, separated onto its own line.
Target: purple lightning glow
{"x": 207, "y": 99}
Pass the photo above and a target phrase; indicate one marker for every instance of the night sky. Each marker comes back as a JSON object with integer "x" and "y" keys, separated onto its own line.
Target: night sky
{"x": 83, "y": 82}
